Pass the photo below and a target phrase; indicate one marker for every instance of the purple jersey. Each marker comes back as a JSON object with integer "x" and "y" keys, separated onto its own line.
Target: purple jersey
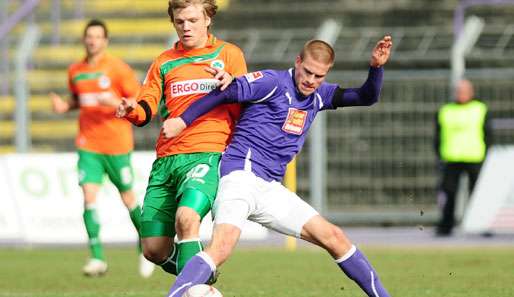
{"x": 273, "y": 124}
{"x": 276, "y": 117}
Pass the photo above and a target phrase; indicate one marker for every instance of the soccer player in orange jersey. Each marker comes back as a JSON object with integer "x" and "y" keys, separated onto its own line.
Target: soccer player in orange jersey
{"x": 97, "y": 83}
{"x": 184, "y": 177}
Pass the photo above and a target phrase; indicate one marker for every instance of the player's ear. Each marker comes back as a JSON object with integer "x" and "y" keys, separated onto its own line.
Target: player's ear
{"x": 207, "y": 20}
{"x": 298, "y": 61}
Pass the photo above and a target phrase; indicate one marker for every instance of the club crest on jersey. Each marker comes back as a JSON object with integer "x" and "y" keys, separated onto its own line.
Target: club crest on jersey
{"x": 218, "y": 64}
{"x": 195, "y": 86}
{"x": 295, "y": 121}
{"x": 104, "y": 82}
{"x": 253, "y": 76}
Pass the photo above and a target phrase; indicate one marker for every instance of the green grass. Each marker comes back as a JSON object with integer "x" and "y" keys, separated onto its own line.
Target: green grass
{"x": 416, "y": 272}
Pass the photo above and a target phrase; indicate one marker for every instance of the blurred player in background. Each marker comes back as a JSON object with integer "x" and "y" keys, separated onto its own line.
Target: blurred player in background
{"x": 184, "y": 178}
{"x": 462, "y": 136}
{"x": 97, "y": 83}
{"x": 279, "y": 108}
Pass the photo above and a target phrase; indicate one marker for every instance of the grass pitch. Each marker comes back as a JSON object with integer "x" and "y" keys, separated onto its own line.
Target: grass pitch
{"x": 416, "y": 272}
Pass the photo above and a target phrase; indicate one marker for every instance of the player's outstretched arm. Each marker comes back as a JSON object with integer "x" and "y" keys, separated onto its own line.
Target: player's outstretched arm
{"x": 369, "y": 92}
{"x": 381, "y": 52}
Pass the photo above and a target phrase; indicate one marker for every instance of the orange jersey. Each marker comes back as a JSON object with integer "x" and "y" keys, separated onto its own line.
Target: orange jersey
{"x": 99, "y": 129}
{"x": 178, "y": 78}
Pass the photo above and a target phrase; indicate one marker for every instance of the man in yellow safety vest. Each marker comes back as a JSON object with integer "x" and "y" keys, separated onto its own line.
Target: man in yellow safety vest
{"x": 462, "y": 137}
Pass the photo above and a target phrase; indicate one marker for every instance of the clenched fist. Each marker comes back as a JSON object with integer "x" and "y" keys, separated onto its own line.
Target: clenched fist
{"x": 125, "y": 107}
{"x": 172, "y": 127}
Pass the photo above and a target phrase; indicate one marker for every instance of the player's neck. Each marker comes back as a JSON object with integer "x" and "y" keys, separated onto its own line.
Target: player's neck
{"x": 94, "y": 59}
{"x": 299, "y": 94}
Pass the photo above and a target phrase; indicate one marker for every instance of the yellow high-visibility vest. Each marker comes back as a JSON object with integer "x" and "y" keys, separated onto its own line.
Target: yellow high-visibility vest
{"x": 462, "y": 132}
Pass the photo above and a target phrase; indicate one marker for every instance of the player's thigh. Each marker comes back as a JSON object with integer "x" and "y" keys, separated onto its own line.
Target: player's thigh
{"x": 120, "y": 171}
{"x": 235, "y": 201}
{"x": 160, "y": 204}
{"x": 282, "y": 210}
{"x": 90, "y": 168}
{"x": 197, "y": 178}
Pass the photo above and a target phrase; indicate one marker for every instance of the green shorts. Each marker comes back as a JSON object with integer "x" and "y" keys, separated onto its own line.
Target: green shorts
{"x": 93, "y": 166}
{"x": 178, "y": 180}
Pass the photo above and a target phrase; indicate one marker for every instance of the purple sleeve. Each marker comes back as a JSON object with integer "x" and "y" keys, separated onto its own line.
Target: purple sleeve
{"x": 255, "y": 86}
{"x": 366, "y": 95}
{"x": 209, "y": 101}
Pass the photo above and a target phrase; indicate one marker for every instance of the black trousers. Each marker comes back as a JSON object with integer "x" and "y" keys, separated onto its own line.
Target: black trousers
{"x": 451, "y": 173}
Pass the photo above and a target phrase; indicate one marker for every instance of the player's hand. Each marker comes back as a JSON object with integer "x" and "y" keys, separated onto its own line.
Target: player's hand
{"x": 58, "y": 104}
{"x": 172, "y": 127}
{"x": 126, "y": 106}
{"x": 381, "y": 51}
{"x": 224, "y": 78}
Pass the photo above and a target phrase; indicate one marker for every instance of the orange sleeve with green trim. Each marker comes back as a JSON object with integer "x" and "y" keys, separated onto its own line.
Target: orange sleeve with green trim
{"x": 148, "y": 98}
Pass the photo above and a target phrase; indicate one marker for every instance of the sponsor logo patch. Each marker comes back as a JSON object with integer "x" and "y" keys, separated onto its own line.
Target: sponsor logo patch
{"x": 196, "y": 86}
{"x": 295, "y": 121}
{"x": 253, "y": 76}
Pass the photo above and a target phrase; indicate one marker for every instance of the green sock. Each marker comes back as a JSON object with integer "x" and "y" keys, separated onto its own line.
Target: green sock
{"x": 135, "y": 217}
{"x": 186, "y": 250}
{"x": 93, "y": 230}
{"x": 170, "y": 265}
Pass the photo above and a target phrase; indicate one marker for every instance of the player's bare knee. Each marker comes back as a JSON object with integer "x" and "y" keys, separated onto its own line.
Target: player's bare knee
{"x": 156, "y": 250}
{"x": 89, "y": 199}
{"x": 129, "y": 199}
{"x": 335, "y": 241}
{"x": 155, "y": 254}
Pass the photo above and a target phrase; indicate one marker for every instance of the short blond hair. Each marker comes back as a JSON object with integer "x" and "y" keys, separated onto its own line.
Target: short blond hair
{"x": 209, "y": 6}
{"x": 319, "y": 50}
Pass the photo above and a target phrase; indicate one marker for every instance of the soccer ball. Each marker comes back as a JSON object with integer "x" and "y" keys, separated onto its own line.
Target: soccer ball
{"x": 202, "y": 291}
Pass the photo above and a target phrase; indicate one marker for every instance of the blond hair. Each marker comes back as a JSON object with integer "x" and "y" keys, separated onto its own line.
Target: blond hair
{"x": 209, "y": 6}
{"x": 318, "y": 50}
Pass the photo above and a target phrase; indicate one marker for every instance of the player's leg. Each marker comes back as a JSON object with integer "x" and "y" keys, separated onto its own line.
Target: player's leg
{"x": 200, "y": 268}
{"x": 193, "y": 206}
{"x": 449, "y": 186}
{"x": 232, "y": 207}
{"x": 121, "y": 174}
{"x": 350, "y": 259}
{"x": 197, "y": 181}
{"x": 158, "y": 216}
{"x": 285, "y": 212}
{"x": 91, "y": 174}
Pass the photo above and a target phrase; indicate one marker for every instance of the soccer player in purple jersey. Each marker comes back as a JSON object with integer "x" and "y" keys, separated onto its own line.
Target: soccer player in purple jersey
{"x": 278, "y": 109}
